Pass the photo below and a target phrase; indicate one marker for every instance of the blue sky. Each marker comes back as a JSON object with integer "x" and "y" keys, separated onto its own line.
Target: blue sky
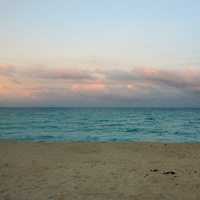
{"x": 98, "y": 37}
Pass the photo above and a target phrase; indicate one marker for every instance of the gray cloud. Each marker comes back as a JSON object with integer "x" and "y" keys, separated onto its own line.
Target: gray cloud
{"x": 62, "y": 74}
{"x": 181, "y": 79}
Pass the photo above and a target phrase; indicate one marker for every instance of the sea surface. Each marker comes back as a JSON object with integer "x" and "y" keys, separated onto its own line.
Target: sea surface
{"x": 100, "y": 124}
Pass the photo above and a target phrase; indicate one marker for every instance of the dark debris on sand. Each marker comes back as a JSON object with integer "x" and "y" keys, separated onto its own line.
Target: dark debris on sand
{"x": 171, "y": 172}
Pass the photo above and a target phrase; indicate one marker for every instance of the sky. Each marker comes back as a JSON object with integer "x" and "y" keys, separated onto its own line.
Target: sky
{"x": 100, "y": 53}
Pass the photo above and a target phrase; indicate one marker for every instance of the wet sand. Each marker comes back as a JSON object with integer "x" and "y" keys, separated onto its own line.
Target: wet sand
{"x": 99, "y": 171}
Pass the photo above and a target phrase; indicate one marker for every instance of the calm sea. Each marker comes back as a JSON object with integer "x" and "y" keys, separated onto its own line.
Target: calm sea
{"x": 100, "y": 124}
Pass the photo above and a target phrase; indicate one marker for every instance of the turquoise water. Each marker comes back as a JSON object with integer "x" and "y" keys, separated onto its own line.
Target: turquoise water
{"x": 100, "y": 124}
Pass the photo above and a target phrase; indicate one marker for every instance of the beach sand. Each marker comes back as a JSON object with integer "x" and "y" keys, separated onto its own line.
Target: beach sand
{"x": 99, "y": 171}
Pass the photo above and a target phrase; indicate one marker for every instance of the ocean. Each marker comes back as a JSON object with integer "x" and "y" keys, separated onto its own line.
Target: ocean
{"x": 173, "y": 125}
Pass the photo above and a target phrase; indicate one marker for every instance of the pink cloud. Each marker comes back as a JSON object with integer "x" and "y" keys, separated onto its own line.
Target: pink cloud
{"x": 95, "y": 87}
{"x": 7, "y": 70}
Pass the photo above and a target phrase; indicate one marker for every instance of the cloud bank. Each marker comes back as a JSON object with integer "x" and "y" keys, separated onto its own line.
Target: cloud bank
{"x": 138, "y": 86}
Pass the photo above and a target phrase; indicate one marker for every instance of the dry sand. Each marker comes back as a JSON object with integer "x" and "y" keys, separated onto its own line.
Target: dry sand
{"x": 99, "y": 171}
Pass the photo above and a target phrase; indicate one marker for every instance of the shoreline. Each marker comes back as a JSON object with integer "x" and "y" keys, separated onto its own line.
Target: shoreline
{"x": 96, "y": 142}
{"x": 99, "y": 170}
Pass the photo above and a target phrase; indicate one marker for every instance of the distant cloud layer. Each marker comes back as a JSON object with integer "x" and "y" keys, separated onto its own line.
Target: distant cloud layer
{"x": 139, "y": 86}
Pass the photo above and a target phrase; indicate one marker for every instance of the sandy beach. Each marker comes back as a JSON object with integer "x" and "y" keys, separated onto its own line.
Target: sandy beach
{"x": 99, "y": 171}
